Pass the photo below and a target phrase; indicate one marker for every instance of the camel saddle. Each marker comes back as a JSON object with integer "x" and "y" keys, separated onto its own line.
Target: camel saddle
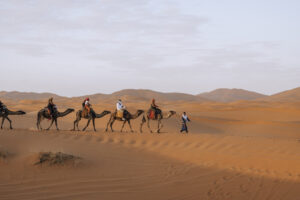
{"x": 49, "y": 112}
{"x": 120, "y": 113}
{"x": 151, "y": 114}
{"x": 84, "y": 112}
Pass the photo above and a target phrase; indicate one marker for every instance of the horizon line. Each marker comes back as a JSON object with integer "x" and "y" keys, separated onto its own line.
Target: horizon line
{"x": 142, "y": 89}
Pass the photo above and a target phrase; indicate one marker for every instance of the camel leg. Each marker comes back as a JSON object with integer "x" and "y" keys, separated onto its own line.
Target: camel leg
{"x": 75, "y": 123}
{"x": 141, "y": 127}
{"x": 38, "y": 121}
{"x": 142, "y": 123}
{"x": 50, "y": 124}
{"x": 111, "y": 125}
{"x": 130, "y": 126}
{"x": 108, "y": 124}
{"x": 38, "y": 125}
{"x": 41, "y": 128}
{"x": 161, "y": 125}
{"x": 10, "y": 126}
{"x": 78, "y": 124}
{"x": 94, "y": 124}
{"x": 148, "y": 125}
{"x": 3, "y": 118}
{"x": 158, "y": 126}
{"x": 56, "y": 125}
{"x": 123, "y": 125}
{"x": 88, "y": 123}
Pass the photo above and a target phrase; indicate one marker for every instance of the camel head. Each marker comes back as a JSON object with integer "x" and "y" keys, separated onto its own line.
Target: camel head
{"x": 105, "y": 112}
{"x": 66, "y": 112}
{"x": 21, "y": 112}
{"x": 139, "y": 112}
{"x": 70, "y": 110}
{"x": 171, "y": 113}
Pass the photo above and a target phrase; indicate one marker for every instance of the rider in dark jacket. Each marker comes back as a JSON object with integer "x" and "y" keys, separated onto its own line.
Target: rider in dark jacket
{"x": 51, "y": 106}
{"x": 155, "y": 108}
{"x": 2, "y": 107}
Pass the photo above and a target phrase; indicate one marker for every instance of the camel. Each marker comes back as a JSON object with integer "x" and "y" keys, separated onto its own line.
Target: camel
{"x": 80, "y": 114}
{"x": 43, "y": 113}
{"x": 159, "y": 117}
{"x": 127, "y": 117}
{"x": 7, "y": 112}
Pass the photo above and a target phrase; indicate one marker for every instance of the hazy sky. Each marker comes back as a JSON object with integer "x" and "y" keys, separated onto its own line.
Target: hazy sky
{"x": 76, "y": 47}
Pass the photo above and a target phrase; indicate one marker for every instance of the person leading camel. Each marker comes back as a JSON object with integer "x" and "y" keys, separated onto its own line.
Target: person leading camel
{"x": 184, "y": 120}
{"x": 120, "y": 109}
{"x": 51, "y": 107}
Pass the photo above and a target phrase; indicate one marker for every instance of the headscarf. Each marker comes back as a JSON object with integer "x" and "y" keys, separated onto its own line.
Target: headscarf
{"x": 51, "y": 100}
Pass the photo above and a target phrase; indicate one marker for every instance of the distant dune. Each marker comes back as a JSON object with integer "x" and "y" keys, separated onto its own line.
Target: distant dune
{"x": 146, "y": 95}
{"x": 26, "y": 95}
{"x": 229, "y": 95}
{"x": 142, "y": 95}
{"x": 286, "y": 96}
{"x": 127, "y": 95}
{"x": 149, "y": 94}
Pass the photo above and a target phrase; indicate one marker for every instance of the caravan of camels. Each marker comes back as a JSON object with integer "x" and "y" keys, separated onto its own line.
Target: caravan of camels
{"x": 51, "y": 112}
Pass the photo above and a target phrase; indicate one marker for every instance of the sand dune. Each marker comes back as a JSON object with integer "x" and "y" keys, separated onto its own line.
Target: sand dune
{"x": 26, "y": 95}
{"x": 168, "y": 166}
{"x": 286, "y": 96}
{"x": 236, "y": 150}
{"x": 229, "y": 95}
{"x": 141, "y": 95}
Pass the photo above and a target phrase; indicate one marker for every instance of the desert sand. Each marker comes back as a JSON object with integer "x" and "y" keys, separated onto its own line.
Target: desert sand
{"x": 234, "y": 150}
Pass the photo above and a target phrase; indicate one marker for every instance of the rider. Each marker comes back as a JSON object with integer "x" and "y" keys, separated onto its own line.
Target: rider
{"x": 120, "y": 109}
{"x": 51, "y": 106}
{"x": 2, "y": 107}
{"x": 86, "y": 104}
{"x": 154, "y": 107}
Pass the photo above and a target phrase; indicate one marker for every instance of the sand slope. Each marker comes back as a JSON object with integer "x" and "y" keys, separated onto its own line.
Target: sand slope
{"x": 168, "y": 166}
{"x": 230, "y": 95}
{"x": 285, "y": 96}
{"x": 238, "y": 150}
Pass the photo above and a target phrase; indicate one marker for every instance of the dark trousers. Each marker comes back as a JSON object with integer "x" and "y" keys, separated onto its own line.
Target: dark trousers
{"x": 184, "y": 128}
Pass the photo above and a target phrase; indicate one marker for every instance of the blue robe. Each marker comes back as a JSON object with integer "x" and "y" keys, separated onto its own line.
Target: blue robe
{"x": 184, "y": 126}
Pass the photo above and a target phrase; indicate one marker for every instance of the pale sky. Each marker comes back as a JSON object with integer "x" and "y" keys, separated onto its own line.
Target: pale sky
{"x": 77, "y": 47}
